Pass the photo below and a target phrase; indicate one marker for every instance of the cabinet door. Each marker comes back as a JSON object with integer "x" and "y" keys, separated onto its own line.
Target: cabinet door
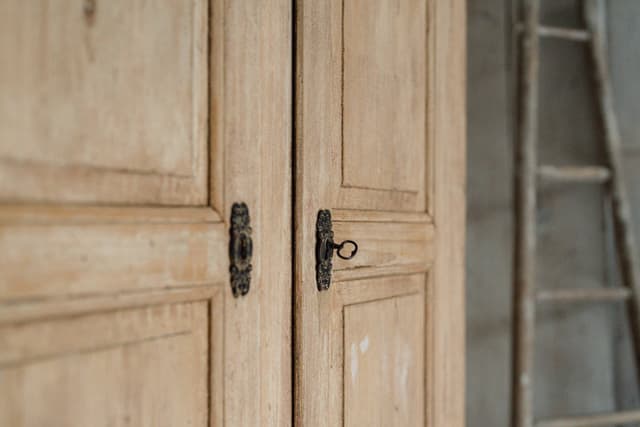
{"x": 380, "y": 143}
{"x": 128, "y": 128}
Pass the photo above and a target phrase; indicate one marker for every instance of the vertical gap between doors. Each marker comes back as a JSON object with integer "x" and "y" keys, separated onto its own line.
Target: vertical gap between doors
{"x": 294, "y": 44}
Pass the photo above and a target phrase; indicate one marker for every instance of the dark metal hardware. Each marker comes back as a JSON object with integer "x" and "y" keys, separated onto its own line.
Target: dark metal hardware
{"x": 324, "y": 250}
{"x": 339, "y": 247}
{"x": 240, "y": 249}
{"x": 325, "y": 247}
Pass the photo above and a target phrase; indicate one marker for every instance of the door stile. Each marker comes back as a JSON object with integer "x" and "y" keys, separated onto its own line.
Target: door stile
{"x": 447, "y": 365}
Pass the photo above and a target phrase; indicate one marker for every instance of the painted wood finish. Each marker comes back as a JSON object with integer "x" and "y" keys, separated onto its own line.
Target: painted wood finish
{"x": 127, "y": 131}
{"x": 380, "y": 141}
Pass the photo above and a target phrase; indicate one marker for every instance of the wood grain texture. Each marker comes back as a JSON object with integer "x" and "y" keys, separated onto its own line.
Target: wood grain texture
{"x": 446, "y": 363}
{"x": 383, "y": 362}
{"x": 51, "y": 308}
{"x": 150, "y": 365}
{"x": 318, "y": 358}
{"x": 355, "y": 215}
{"x": 401, "y": 234}
{"x": 398, "y": 174}
{"x": 330, "y": 382}
{"x": 385, "y": 245}
{"x": 384, "y": 94}
{"x": 251, "y": 113}
{"x": 14, "y": 214}
{"x": 360, "y": 293}
{"x": 86, "y": 114}
{"x": 74, "y": 273}
{"x": 378, "y": 288}
{"x": 41, "y": 262}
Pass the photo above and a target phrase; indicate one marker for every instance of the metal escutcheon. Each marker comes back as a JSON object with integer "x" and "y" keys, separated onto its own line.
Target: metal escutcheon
{"x": 240, "y": 249}
{"x": 325, "y": 246}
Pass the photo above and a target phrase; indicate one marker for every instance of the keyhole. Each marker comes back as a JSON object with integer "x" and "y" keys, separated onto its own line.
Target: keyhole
{"x": 243, "y": 247}
{"x": 327, "y": 250}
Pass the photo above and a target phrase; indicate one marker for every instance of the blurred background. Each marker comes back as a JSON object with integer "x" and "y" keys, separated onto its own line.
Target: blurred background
{"x": 583, "y": 358}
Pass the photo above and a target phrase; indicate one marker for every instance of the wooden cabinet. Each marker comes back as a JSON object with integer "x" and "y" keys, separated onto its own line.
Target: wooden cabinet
{"x": 380, "y": 143}
{"x": 128, "y": 129}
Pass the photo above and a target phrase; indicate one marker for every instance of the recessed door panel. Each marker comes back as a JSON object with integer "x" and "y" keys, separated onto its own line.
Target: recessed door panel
{"x": 143, "y": 367}
{"x": 384, "y": 362}
{"x": 374, "y": 83}
{"x": 384, "y": 115}
{"x": 104, "y": 101}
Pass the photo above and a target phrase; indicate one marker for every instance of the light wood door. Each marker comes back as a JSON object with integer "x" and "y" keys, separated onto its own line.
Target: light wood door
{"x": 128, "y": 128}
{"x": 380, "y": 143}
